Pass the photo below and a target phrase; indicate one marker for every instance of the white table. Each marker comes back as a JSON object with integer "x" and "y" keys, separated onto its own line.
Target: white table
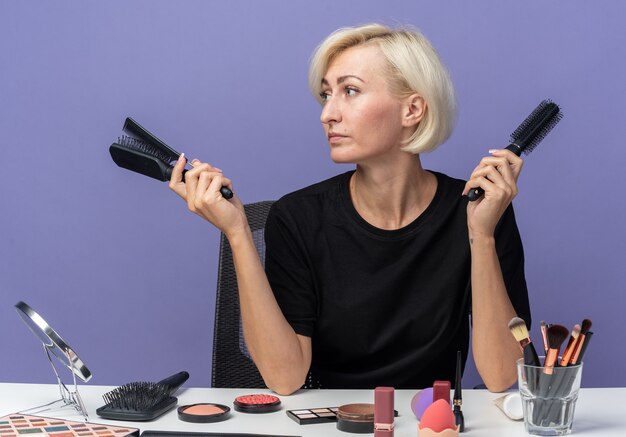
{"x": 599, "y": 412}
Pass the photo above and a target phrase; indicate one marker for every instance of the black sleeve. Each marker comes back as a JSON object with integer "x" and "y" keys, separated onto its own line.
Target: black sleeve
{"x": 288, "y": 270}
{"x": 511, "y": 255}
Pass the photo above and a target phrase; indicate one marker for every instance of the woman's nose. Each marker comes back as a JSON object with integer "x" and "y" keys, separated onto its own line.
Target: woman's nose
{"x": 331, "y": 113}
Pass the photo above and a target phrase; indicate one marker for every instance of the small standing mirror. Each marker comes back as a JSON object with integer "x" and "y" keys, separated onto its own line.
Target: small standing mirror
{"x": 54, "y": 345}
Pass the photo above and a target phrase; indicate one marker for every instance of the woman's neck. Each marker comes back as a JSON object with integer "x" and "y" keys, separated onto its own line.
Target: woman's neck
{"x": 390, "y": 197}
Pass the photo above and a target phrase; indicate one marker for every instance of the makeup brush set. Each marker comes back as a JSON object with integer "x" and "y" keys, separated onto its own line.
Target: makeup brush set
{"x": 554, "y": 382}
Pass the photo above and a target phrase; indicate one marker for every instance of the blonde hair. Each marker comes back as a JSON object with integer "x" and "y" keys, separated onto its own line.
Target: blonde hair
{"x": 414, "y": 67}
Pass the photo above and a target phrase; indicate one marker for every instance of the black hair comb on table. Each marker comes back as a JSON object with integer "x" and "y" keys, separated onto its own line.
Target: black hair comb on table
{"x": 142, "y": 401}
{"x": 142, "y": 152}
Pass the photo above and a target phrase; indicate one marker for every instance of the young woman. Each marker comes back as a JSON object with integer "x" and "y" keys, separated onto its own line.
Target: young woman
{"x": 371, "y": 276}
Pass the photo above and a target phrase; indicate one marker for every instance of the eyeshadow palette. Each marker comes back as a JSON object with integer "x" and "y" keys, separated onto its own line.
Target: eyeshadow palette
{"x": 21, "y": 425}
{"x": 314, "y": 415}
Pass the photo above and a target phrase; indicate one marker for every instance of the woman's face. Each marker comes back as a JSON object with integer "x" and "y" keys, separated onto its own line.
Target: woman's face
{"x": 361, "y": 118}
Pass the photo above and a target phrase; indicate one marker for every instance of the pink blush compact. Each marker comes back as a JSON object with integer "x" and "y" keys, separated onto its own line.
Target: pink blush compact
{"x": 203, "y": 413}
{"x": 257, "y": 403}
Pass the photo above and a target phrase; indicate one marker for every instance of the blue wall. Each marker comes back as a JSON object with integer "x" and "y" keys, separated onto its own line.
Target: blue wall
{"x": 118, "y": 266}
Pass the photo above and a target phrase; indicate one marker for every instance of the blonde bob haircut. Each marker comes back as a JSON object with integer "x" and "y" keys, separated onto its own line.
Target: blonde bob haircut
{"x": 413, "y": 67}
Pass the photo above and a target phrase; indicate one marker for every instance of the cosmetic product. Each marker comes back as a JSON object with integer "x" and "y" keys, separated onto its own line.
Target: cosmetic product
{"x": 556, "y": 336}
{"x": 458, "y": 397}
{"x": 257, "y": 403}
{"x": 438, "y": 421}
{"x": 518, "y": 328}
{"x": 529, "y": 134}
{"x": 441, "y": 390}
{"x": 356, "y": 418}
{"x": 544, "y": 336}
{"x": 383, "y": 411}
{"x": 142, "y": 401}
{"x": 571, "y": 345}
{"x": 150, "y": 433}
{"x": 203, "y": 413}
{"x": 143, "y": 153}
{"x": 511, "y": 405}
{"x": 585, "y": 327}
{"x": 420, "y": 401}
{"x": 313, "y": 415}
{"x": 21, "y": 424}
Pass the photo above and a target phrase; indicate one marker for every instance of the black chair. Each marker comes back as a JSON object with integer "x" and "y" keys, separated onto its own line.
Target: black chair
{"x": 232, "y": 365}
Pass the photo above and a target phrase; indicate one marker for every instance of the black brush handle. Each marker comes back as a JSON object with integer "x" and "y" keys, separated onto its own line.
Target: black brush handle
{"x": 174, "y": 381}
{"x": 476, "y": 193}
{"x": 226, "y": 192}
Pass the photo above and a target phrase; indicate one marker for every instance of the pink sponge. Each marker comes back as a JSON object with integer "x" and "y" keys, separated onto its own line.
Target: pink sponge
{"x": 438, "y": 420}
{"x": 421, "y": 401}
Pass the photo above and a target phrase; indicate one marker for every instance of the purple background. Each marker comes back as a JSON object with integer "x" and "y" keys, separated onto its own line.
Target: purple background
{"x": 119, "y": 267}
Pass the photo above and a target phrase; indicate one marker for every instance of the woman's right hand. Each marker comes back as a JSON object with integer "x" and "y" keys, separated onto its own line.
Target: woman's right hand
{"x": 201, "y": 191}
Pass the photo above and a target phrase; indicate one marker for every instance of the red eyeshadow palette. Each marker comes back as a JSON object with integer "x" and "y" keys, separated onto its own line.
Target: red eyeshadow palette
{"x": 20, "y": 425}
{"x": 314, "y": 415}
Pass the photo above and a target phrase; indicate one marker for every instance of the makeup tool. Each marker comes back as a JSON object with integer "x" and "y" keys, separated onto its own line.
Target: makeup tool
{"x": 556, "y": 336}
{"x": 458, "y": 397}
{"x": 21, "y": 425}
{"x": 257, "y": 403}
{"x": 142, "y": 401}
{"x": 441, "y": 390}
{"x": 583, "y": 348}
{"x": 518, "y": 328}
{"x": 544, "y": 336}
{"x": 54, "y": 345}
{"x": 438, "y": 421}
{"x": 313, "y": 415}
{"x": 420, "y": 401}
{"x": 585, "y": 327}
{"x": 383, "y": 411}
{"x": 356, "y": 418}
{"x": 142, "y": 152}
{"x": 203, "y": 413}
{"x": 571, "y": 345}
{"x": 529, "y": 134}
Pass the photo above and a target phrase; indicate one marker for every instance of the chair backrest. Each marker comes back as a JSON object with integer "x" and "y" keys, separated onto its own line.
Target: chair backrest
{"x": 232, "y": 365}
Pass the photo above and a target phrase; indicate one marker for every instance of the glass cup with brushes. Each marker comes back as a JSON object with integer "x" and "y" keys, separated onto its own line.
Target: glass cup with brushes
{"x": 549, "y": 392}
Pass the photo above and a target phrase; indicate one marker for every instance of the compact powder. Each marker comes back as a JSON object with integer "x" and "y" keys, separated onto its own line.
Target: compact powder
{"x": 257, "y": 403}
{"x": 356, "y": 418}
{"x": 203, "y": 413}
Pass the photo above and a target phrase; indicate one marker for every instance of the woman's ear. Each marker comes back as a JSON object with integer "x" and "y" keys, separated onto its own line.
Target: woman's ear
{"x": 414, "y": 109}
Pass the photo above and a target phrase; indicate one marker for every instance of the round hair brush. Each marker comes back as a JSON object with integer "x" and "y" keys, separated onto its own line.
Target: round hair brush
{"x": 142, "y": 401}
{"x": 529, "y": 134}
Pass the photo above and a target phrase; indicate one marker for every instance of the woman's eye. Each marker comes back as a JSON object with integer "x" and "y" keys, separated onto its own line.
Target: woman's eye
{"x": 324, "y": 96}
{"x": 351, "y": 92}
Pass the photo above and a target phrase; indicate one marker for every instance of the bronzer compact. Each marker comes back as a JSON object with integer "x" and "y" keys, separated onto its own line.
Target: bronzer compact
{"x": 55, "y": 346}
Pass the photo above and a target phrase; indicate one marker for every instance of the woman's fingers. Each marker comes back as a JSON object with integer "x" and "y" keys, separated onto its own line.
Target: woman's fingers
{"x": 176, "y": 180}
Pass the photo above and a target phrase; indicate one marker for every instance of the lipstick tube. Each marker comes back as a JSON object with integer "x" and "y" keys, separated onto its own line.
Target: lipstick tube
{"x": 383, "y": 411}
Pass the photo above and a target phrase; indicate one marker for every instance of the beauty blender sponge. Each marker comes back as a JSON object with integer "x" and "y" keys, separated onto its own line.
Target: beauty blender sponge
{"x": 438, "y": 420}
{"x": 421, "y": 401}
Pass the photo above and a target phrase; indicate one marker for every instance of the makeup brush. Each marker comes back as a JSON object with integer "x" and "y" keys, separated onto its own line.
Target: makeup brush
{"x": 544, "y": 336}
{"x": 571, "y": 345}
{"x": 518, "y": 328}
{"x": 529, "y": 134}
{"x": 458, "y": 396}
{"x": 585, "y": 327}
{"x": 556, "y": 336}
{"x": 583, "y": 349}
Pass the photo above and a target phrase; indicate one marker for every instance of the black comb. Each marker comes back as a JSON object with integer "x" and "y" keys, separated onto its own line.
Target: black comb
{"x": 142, "y": 152}
{"x": 142, "y": 401}
{"x": 529, "y": 134}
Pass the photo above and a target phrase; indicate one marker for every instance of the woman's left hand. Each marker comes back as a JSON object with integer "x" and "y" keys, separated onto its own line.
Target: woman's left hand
{"x": 497, "y": 176}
